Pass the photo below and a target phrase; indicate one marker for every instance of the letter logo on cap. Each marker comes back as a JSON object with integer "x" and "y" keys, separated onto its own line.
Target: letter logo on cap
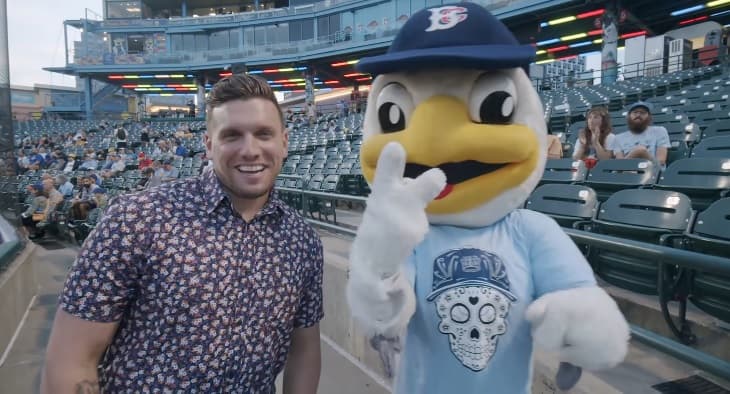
{"x": 443, "y": 18}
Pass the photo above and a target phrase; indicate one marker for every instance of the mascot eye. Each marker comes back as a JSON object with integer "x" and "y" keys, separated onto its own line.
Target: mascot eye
{"x": 493, "y": 99}
{"x": 487, "y": 314}
{"x": 394, "y": 106}
{"x": 459, "y": 313}
{"x": 391, "y": 118}
{"x": 498, "y": 108}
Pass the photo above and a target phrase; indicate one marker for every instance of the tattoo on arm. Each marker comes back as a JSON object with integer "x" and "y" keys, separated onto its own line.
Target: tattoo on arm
{"x": 87, "y": 387}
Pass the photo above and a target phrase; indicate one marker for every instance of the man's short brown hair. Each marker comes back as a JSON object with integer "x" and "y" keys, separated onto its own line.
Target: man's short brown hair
{"x": 241, "y": 87}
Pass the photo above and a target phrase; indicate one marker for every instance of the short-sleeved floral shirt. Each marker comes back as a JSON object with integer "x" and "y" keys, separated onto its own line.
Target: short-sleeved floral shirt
{"x": 206, "y": 302}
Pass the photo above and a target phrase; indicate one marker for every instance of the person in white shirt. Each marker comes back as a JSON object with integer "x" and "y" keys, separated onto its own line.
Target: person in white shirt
{"x": 596, "y": 139}
{"x": 64, "y": 186}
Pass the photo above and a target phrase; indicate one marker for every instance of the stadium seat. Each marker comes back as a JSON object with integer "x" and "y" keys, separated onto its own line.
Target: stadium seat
{"x": 564, "y": 171}
{"x": 704, "y": 180}
{"x": 609, "y": 176}
{"x": 643, "y": 215}
{"x": 567, "y": 204}
{"x": 713, "y": 147}
{"x": 710, "y": 234}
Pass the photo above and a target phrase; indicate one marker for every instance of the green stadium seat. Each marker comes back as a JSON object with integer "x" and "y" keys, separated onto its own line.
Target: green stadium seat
{"x": 704, "y": 180}
{"x": 609, "y": 176}
{"x": 567, "y": 204}
{"x": 564, "y": 171}
{"x": 643, "y": 215}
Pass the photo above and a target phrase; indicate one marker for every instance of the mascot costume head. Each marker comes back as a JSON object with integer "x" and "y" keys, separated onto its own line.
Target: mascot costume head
{"x": 445, "y": 264}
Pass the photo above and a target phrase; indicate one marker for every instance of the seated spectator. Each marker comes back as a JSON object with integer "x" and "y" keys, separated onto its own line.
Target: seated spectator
{"x": 83, "y": 201}
{"x": 64, "y": 186}
{"x": 143, "y": 161}
{"x": 117, "y": 166}
{"x": 595, "y": 141}
{"x": 100, "y": 198}
{"x": 90, "y": 163}
{"x": 35, "y": 212}
{"x": 167, "y": 172}
{"x": 642, "y": 140}
{"x": 149, "y": 179}
{"x": 555, "y": 147}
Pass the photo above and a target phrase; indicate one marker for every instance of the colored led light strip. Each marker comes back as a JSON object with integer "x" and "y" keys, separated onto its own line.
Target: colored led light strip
{"x": 354, "y": 75}
{"x": 687, "y": 10}
{"x": 581, "y": 44}
{"x": 634, "y": 34}
{"x": 331, "y": 82}
{"x": 717, "y": 2}
{"x": 557, "y": 49}
{"x": 693, "y": 20}
{"x": 347, "y": 63}
{"x": 158, "y": 76}
{"x": 548, "y": 42}
{"x": 573, "y": 37}
{"x": 566, "y": 19}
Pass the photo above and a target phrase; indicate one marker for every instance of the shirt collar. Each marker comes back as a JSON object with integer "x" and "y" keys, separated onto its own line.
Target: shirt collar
{"x": 214, "y": 195}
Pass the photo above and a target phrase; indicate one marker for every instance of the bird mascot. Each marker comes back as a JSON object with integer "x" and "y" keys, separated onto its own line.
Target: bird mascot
{"x": 445, "y": 262}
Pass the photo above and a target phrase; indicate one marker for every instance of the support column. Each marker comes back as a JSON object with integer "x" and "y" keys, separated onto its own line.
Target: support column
{"x": 308, "y": 88}
{"x": 609, "y": 47}
{"x": 88, "y": 97}
{"x": 184, "y": 8}
{"x": 7, "y": 140}
{"x": 200, "y": 110}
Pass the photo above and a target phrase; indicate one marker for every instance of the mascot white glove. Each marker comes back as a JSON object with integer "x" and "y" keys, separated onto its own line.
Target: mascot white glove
{"x": 393, "y": 224}
{"x": 584, "y": 326}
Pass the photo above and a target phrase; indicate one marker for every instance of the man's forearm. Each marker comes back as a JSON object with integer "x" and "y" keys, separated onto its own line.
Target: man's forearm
{"x": 301, "y": 375}
{"x": 64, "y": 379}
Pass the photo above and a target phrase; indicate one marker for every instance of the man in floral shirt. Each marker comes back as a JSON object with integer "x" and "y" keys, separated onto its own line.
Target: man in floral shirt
{"x": 208, "y": 284}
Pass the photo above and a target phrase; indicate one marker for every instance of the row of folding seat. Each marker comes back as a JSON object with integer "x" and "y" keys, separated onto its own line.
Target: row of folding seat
{"x": 654, "y": 217}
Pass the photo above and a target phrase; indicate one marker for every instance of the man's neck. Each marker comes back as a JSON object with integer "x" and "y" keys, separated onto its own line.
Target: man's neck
{"x": 249, "y": 208}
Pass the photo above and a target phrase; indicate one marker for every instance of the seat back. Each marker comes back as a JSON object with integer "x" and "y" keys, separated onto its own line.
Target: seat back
{"x": 710, "y": 234}
{"x": 716, "y": 129}
{"x": 564, "y": 203}
{"x": 643, "y": 215}
{"x": 718, "y": 146}
{"x": 609, "y": 176}
{"x": 697, "y": 174}
{"x": 662, "y": 210}
{"x": 564, "y": 171}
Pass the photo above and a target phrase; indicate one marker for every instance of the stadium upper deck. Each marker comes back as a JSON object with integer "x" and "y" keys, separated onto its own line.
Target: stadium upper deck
{"x": 174, "y": 46}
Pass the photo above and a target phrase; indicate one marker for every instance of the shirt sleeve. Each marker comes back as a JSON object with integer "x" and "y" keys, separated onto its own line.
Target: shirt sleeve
{"x": 663, "y": 138}
{"x": 557, "y": 263}
{"x": 578, "y": 146}
{"x": 311, "y": 310}
{"x": 104, "y": 277}
{"x": 610, "y": 138}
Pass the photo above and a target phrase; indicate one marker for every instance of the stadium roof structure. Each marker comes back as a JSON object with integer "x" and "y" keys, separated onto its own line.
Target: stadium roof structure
{"x": 559, "y": 29}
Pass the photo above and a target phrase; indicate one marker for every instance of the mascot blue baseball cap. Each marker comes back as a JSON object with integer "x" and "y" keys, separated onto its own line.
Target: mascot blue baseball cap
{"x": 460, "y": 35}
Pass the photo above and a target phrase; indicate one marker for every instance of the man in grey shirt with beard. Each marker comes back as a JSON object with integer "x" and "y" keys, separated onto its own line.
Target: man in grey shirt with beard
{"x": 642, "y": 140}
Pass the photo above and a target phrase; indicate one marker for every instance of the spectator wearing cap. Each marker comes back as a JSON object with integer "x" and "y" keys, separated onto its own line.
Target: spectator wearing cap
{"x": 642, "y": 140}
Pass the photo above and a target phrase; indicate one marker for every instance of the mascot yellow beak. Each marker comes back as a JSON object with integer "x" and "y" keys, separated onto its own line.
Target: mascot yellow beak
{"x": 480, "y": 160}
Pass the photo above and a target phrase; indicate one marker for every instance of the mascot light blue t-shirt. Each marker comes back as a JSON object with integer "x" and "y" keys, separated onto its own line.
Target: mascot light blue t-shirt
{"x": 471, "y": 303}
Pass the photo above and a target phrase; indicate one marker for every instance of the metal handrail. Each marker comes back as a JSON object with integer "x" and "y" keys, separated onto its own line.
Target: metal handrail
{"x": 663, "y": 254}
